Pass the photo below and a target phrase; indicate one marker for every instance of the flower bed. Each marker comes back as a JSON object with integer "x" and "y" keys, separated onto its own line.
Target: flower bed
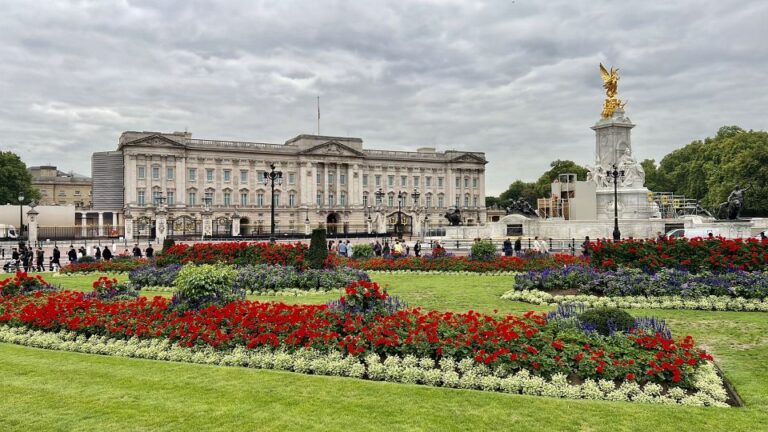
{"x": 113, "y": 266}
{"x": 260, "y": 278}
{"x": 499, "y": 347}
{"x": 240, "y": 253}
{"x": 695, "y": 255}
{"x": 634, "y": 282}
{"x": 464, "y": 264}
{"x": 707, "y": 385}
{"x": 22, "y": 283}
{"x": 718, "y": 303}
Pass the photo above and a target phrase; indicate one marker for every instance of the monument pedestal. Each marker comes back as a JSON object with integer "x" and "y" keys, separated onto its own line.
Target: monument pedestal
{"x": 633, "y": 204}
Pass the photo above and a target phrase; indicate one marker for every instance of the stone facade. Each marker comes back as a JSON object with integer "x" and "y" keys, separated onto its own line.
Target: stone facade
{"x": 60, "y": 188}
{"x": 330, "y": 181}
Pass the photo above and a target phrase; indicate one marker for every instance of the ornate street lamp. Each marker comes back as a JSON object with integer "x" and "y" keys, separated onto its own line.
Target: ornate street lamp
{"x": 615, "y": 174}
{"x": 20, "y": 232}
{"x": 379, "y": 197}
{"x": 271, "y": 178}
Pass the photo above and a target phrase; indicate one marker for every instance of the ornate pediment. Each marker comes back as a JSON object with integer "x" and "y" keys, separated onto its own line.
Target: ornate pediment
{"x": 469, "y": 157}
{"x": 332, "y": 148}
{"x": 157, "y": 141}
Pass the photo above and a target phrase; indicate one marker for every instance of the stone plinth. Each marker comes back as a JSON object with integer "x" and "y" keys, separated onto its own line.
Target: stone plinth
{"x": 633, "y": 204}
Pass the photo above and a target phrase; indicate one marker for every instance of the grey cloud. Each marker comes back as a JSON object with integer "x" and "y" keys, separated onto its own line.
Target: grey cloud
{"x": 517, "y": 80}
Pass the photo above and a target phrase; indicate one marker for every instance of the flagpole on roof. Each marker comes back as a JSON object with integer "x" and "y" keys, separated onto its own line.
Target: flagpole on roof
{"x": 318, "y": 115}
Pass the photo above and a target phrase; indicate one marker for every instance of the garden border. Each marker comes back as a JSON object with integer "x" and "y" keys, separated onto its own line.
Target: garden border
{"x": 410, "y": 370}
{"x": 708, "y": 303}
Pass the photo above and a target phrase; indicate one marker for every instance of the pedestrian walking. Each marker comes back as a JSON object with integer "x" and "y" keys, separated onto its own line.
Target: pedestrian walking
{"x": 107, "y": 254}
{"x": 150, "y": 252}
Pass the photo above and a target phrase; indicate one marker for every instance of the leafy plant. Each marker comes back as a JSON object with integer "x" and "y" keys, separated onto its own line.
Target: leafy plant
{"x": 105, "y": 288}
{"x": 362, "y": 251}
{"x": 483, "y": 250}
{"x": 198, "y": 286}
{"x": 607, "y": 321}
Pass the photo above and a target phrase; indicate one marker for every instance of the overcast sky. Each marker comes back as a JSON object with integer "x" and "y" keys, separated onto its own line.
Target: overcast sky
{"x": 516, "y": 79}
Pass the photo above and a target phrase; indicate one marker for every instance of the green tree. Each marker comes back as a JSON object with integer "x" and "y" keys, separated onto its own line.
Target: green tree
{"x": 520, "y": 189}
{"x": 708, "y": 170}
{"x": 491, "y": 201}
{"x": 15, "y": 178}
{"x": 543, "y": 184}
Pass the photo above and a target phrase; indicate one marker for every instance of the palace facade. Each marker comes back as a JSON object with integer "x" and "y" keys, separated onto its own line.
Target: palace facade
{"x": 326, "y": 181}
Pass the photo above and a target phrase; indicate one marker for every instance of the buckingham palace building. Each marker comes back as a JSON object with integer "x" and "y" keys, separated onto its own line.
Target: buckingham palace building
{"x": 173, "y": 185}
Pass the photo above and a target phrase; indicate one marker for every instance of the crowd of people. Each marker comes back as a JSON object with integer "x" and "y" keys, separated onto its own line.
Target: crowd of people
{"x": 26, "y": 258}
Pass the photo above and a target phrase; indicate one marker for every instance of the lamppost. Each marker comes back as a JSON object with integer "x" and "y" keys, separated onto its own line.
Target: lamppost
{"x": 20, "y": 233}
{"x": 273, "y": 177}
{"x": 615, "y": 174}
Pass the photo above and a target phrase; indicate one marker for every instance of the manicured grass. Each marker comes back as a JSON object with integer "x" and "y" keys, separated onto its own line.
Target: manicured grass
{"x": 47, "y": 390}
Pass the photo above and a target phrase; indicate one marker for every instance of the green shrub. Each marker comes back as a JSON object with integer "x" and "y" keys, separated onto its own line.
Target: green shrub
{"x": 363, "y": 250}
{"x": 206, "y": 284}
{"x": 483, "y": 250}
{"x": 167, "y": 243}
{"x": 86, "y": 259}
{"x": 318, "y": 249}
{"x": 607, "y": 320}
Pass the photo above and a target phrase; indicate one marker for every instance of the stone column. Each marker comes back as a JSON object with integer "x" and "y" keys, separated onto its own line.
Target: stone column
{"x": 128, "y": 221}
{"x": 32, "y": 226}
{"x": 235, "y": 225}
{"x": 114, "y": 219}
{"x": 101, "y": 224}
{"x": 161, "y": 226}
{"x": 84, "y": 224}
{"x": 369, "y": 225}
{"x": 207, "y": 222}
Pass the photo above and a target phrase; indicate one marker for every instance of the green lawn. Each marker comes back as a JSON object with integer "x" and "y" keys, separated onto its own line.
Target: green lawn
{"x": 48, "y": 390}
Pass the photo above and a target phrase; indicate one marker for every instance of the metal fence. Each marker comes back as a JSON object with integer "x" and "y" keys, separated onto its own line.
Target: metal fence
{"x": 79, "y": 232}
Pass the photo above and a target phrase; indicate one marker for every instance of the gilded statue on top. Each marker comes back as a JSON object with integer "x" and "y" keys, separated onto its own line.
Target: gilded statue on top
{"x": 611, "y": 84}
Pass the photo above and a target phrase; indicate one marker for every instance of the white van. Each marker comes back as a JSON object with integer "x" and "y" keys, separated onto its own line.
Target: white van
{"x": 704, "y": 232}
{"x": 8, "y": 232}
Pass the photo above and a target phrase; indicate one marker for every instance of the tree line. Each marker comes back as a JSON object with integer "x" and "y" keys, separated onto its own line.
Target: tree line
{"x": 705, "y": 170}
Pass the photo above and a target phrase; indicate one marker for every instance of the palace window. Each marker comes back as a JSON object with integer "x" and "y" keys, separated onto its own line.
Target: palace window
{"x": 319, "y": 199}
{"x": 474, "y": 182}
{"x": 416, "y": 181}
{"x": 243, "y": 177}
{"x": 192, "y": 174}
{"x": 209, "y": 175}
{"x": 319, "y": 177}
{"x": 458, "y": 201}
{"x": 292, "y": 200}
{"x": 155, "y": 173}
{"x": 330, "y": 178}
{"x": 440, "y": 202}
{"x": 331, "y": 199}
{"x": 440, "y": 182}
{"x": 227, "y": 175}
{"x": 342, "y": 199}
{"x": 466, "y": 182}
{"x": 140, "y": 197}
{"x": 243, "y": 199}
{"x": 391, "y": 200}
{"x": 342, "y": 179}
{"x": 365, "y": 200}
{"x": 209, "y": 198}
{"x": 429, "y": 201}
{"x": 391, "y": 181}
{"x": 227, "y": 199}
{"x": 171, "y": 198}
{"x": 428, "y": 181}
{"x": 403, "y": 181}
{"x": 458, "y": 182}
{"x": 260, "y": 199}
{"x": 169, "y": 173}
{"x": 291, "y": 178}
{"x": 156, "y": 197}
{"x": 192, "y": 198}
{"x": 276, "y": 197}
{"x": 140, "y": 172}
{"x": 365, "y": 180}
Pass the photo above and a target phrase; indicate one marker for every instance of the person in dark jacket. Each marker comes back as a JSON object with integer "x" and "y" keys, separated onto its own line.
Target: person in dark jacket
{"x": 417, "y": 248}
{"x": 97, "y": 254}
{"x": 72, "y": 254}
{"x": 150, "y": 252}
{"x": 40, "y": 259}
{"x": 136, "y": 251}
{"x": 507, "y": 247}
{"x": 518, "y": 246}
{"x": 107, "y": 254}
{"x": 56, "y": 261}
{"x": 82, "y": 251}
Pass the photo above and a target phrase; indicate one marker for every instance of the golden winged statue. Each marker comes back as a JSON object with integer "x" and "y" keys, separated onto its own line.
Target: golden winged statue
{"x": 611, "y": 84}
